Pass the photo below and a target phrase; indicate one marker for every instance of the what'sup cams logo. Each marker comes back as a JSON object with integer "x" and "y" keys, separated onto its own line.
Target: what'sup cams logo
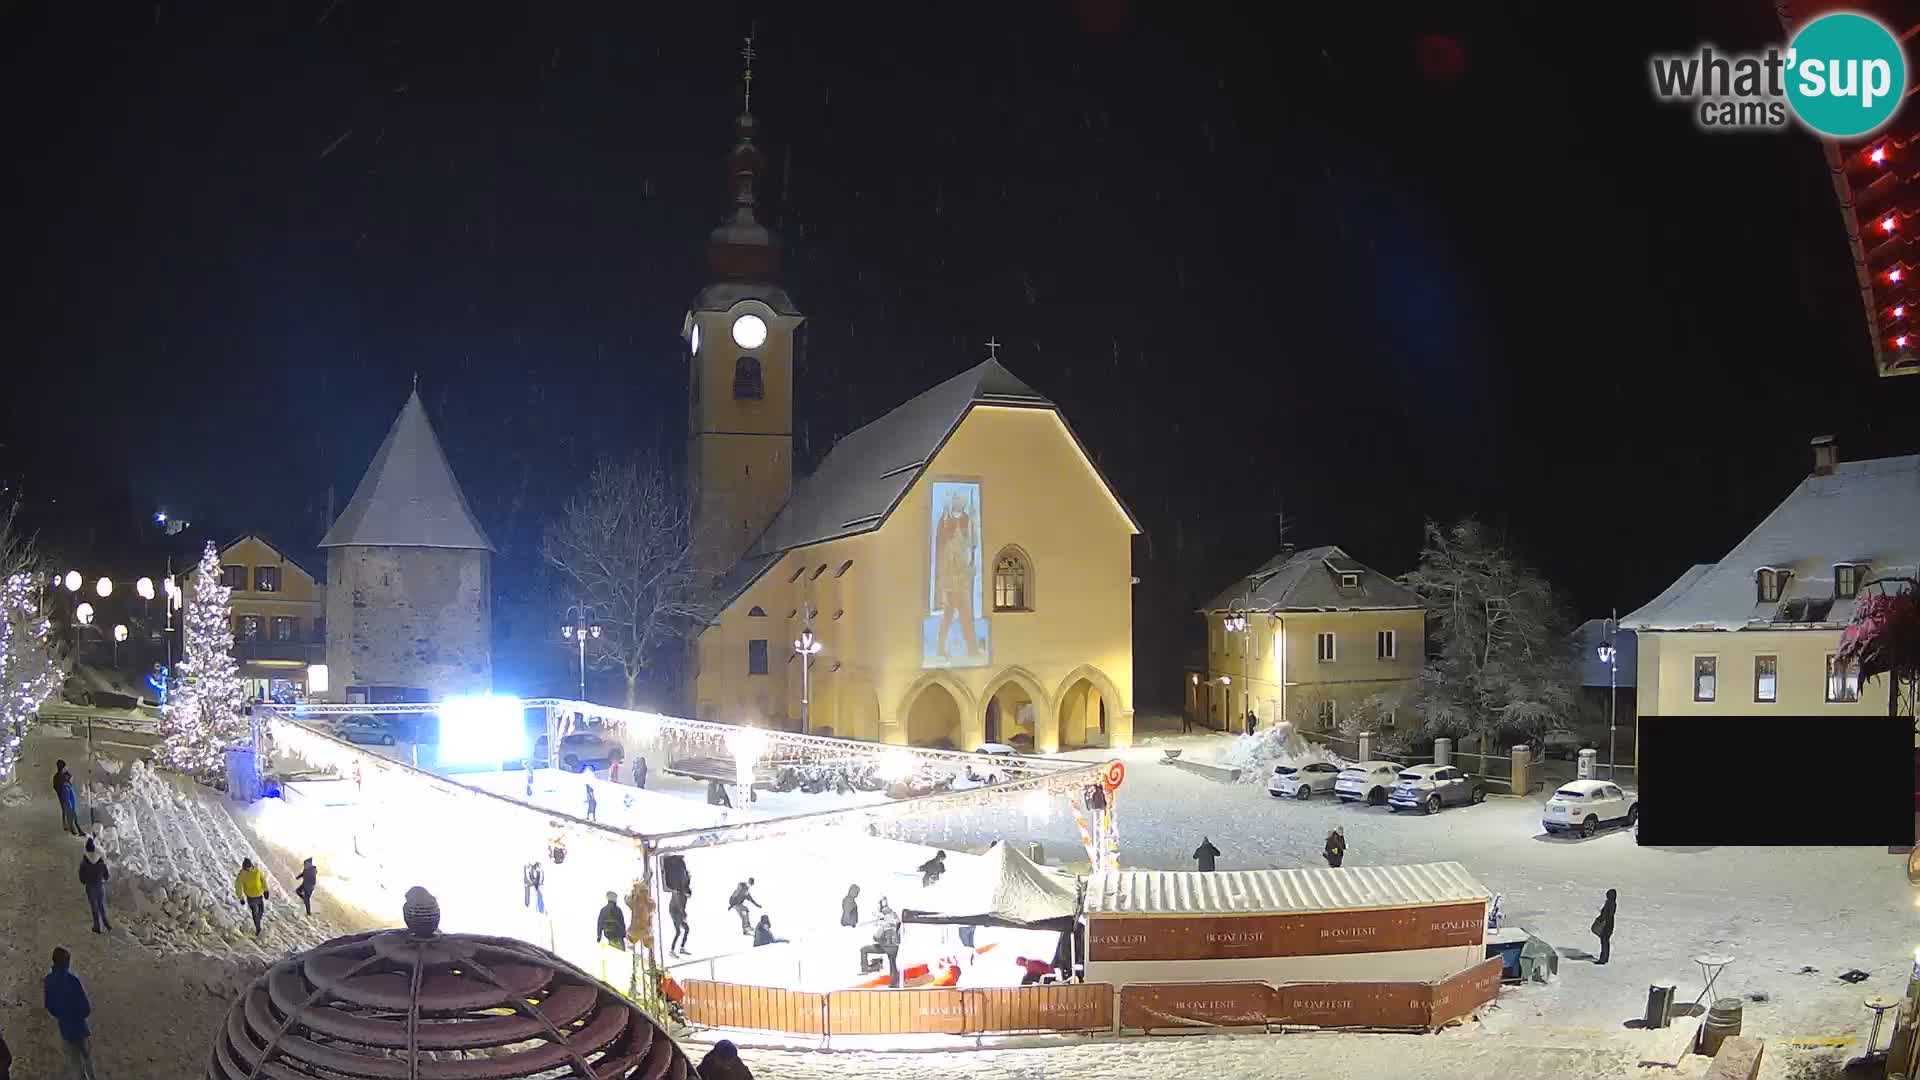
{"x": 1843, "y": 75}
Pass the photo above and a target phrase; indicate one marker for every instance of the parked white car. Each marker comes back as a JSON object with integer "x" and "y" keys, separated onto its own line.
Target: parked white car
{"x": 1368, "y": 782}
{"x": 1583, "y": 806}
{"x": 1429, "y": 787}
{"x": 1304, "y": 782}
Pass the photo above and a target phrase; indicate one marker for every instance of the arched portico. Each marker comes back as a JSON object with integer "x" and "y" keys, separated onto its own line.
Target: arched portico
{"x": 936, "y": 709}
{"x": 1087, "y": 709}
{"x": 1013, "y": 705}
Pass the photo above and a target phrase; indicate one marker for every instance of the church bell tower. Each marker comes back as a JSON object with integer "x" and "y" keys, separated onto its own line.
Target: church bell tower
{"x": 739, "y": 335}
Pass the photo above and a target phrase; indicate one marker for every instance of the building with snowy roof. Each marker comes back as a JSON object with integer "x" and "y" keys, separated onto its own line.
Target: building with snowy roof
{"x": 409, "y": 603}
{"x": 961, "y": 563}
{"x": 1758, "y": 630}
{"x": 278, "y": 609}
{"x": 1309, "y": 637}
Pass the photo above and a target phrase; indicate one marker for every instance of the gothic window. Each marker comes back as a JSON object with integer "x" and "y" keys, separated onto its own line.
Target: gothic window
{"x": 746, "y": 379}
{"x": 1012, "y": 581}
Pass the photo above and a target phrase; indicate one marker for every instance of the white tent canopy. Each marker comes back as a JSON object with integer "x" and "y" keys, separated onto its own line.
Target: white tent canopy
{"x": 1000, "y": 888}
{"x": 1263, "y": 892}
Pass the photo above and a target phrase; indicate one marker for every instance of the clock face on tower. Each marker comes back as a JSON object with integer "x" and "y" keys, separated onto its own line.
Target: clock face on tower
{"x": 693, "y": 340}
{"x": 749, "y": 332}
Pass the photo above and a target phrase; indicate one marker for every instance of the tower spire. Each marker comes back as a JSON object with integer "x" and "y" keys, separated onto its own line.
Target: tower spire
{"x": 743, "y": 249}
{"x": 747, "y": 53}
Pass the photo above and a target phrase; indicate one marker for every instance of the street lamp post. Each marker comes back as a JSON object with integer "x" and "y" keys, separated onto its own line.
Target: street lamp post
{"x": 578, "y": 631}
{"x": 806, "y": 646}
{"x": 1610, "y": 656}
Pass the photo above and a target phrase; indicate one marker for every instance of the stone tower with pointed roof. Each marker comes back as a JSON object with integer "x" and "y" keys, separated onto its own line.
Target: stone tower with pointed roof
{"x": 409, "y": 578}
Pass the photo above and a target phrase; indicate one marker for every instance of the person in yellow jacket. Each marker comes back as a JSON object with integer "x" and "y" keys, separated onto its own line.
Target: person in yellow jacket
{"x": 251, "y": 884}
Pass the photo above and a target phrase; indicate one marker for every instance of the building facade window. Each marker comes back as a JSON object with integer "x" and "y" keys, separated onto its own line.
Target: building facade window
{"x": 1386, "y": 644}
{"x": 1843, "y": 680}
{"x": 747, "y": 384}
{"x": 1766, "y": 678}
{"x": 285, "y": 628}
{"x": 1705, "y": 677}
{"x": 1326, "y": 714}
{"x": 757, "y": 656}
{"x": 246, "y": 627}
{"x": 1846, "y": 581}
{"x": 1011, "y": 573}
{"x": 1349, "y": 581}
{"x": 1325, "y": 649}
{"x": 266, "y": 579}
{"x": 1772, "y": 582}
{"x": 756, "y": 612}
{"x": 234, "y": 577}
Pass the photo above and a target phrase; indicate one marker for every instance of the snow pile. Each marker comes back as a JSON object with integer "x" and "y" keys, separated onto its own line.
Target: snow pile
{"x": 173, "y": 854}
{"x": 1255, "y": 755}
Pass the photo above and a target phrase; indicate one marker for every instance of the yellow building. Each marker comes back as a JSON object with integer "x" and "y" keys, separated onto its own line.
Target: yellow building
{"x": 1756, "y": 632}
{"x": 964, "y": 567}
{"x": 279, "y": 617}
{"x": 1308, "y": 638}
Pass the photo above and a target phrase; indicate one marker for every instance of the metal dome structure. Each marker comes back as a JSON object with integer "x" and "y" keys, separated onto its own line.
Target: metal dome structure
{"x": 416, "y": 1004}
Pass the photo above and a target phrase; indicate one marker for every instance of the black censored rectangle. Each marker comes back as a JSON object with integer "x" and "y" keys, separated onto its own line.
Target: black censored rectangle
{"x": 1776, "y": 781}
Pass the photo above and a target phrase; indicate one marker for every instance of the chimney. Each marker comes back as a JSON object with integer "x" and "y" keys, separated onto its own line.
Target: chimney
{"x": 1826, "y": 454}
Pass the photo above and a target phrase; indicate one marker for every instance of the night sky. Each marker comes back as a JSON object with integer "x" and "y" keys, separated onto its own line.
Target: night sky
{"x": 1357, "y": 268}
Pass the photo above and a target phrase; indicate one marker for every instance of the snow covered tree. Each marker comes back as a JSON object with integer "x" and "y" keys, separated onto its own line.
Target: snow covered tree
{"x": 1501, "y": 655}
{"x": 625, "y": 547}
{"x": 205, "y": 715}
{"x": 1884, "y": 639}
{"x": 28, "y": 673}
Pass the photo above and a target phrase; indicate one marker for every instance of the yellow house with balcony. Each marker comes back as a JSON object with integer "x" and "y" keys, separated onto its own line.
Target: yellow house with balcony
{"x": 1757, "y": 631}
{"x": 1308, "y": 638}
{"x": 279, "y": 617}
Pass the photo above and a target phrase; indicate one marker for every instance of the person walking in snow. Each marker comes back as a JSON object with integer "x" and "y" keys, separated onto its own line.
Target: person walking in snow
{"x": 612, "y": 925}
{"x": 593, "y": 805}
{"x": 1186, "y": 722}
{"x": 737, "y": 903}
{"x": 532, "y": 877}
{"x": 850, "y": 907}
{"x": 1603, "y": 925}
{"x": 93, "y": 877}
{"x": 640, "y": 772}
{"x": 1205, "y": 854}
{"x": 251, "y": 884}
{"x": 677, "y": 911}
{"x": 63, "y": 790}
{"x": 529, "y": 779}
{"x": 721, "y": 1063}
{"x": 1336, "y": 849}
{"x": 931, "y": 870}
{"x": 66, "y": 1001}
{"x": 1252, "y": 721}
{"x": 309, "y": 880}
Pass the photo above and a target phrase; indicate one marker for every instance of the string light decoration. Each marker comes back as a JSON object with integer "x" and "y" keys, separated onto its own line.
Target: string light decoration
{"x": 204, "y": 717}
{"x": 28, "y": 674}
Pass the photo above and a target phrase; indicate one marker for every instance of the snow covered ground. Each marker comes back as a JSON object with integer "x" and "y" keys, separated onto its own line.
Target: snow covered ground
{"x": 1792, "y": 919}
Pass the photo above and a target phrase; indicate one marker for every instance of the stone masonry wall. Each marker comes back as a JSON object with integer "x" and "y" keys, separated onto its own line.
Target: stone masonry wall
{"x": 409, "y": 617}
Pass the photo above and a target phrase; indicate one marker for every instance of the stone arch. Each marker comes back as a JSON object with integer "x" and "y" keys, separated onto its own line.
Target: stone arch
{"x": 1075, "y": 708}
{"x": 954, "y": 723}
{"x": 1003, "y": 727}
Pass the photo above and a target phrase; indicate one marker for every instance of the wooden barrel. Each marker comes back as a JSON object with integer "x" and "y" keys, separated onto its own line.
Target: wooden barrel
{"x": 1723, "y": 1021}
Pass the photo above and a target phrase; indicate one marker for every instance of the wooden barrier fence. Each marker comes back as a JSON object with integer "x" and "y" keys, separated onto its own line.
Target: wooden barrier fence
{"x": 1092, "y": 1006}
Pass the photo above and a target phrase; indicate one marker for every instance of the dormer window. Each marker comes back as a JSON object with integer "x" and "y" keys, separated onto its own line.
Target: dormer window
{"x": 1772, "y": 583}
{"x": 1846, "y": 581}
{"x": 1349, "y": 581}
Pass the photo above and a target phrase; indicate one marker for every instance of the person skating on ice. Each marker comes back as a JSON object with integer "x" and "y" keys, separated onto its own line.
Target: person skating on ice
{"x": 738, "y": 903}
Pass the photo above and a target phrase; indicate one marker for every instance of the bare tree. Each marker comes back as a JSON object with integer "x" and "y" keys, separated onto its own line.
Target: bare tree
{"x": 1501, "y": 653}
{"x": 625, "y": 546}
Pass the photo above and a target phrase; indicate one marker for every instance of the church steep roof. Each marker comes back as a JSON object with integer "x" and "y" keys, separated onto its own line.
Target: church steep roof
{"x": 867, "y": 473}
{"x": 408, "y": 498}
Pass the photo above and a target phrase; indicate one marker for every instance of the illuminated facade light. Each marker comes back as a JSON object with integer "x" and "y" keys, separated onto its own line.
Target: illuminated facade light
{"x": 1900, "y": 342}
{"x": 1893, "y": 276}
{"x": 1887, "y": 224}
{"x": 1878, "y": 155}
{"x": 1899, "y": 311}
{"x": 316, "y": 678}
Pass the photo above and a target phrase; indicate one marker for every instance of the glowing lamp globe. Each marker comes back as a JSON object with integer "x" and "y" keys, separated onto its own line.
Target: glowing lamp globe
{"x": 104, "y": 587}
{"x": 84, "y": 614}
{"x": 73, "y": 581}
{"x": 144, "y": 587}
{"x": 120, "y": 632}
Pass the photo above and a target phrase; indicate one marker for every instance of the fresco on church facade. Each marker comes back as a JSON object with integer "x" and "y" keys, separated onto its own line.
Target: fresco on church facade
{"x": 955, "y": 632}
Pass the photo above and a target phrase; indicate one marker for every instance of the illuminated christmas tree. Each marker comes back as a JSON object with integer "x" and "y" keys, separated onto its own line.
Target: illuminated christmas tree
{"x": 28, "y": 675}
{"x": 205, "y": 714}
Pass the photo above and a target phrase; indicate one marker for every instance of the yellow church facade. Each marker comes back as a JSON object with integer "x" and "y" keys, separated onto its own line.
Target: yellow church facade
{"x": 961, "y": 564}
{"x": 1047, "y": 581}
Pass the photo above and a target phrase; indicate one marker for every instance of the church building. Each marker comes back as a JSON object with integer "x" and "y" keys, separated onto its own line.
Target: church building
{"x": 961, "y": 566}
